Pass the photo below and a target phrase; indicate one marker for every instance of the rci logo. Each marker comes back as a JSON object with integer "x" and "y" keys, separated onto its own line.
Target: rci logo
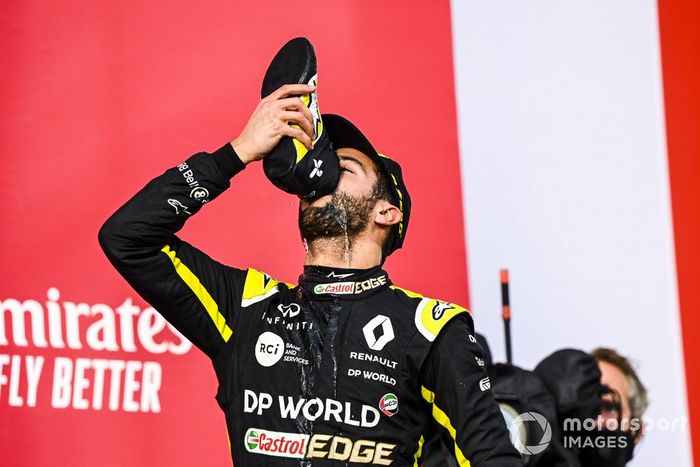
{"x": 518, "y": 425}
{"x": 269, "y": 348}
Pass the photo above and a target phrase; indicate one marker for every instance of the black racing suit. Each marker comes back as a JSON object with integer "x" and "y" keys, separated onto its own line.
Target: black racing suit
{"x": 343, "y": 368}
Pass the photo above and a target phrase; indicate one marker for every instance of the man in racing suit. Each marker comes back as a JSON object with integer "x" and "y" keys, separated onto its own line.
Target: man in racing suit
{"x": 344, "y": 367}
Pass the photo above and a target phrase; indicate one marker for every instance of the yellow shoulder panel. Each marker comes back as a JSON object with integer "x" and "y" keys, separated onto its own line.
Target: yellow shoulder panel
{"x": 258, "y": 286}
{"x": 431, "y": 314}
{"x": 407, "y": 292}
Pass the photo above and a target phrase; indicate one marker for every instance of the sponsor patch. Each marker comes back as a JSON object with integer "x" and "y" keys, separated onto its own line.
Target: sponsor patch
{"x": 371, "y": 376}
{"x": 288, "y": 316}
{"x": 317, "y": 172}
{"x": 290, "y": 310}
{"x": 269, "y": 349}
{"x": 485, "y": 384}
{"x": 373, "y": 358}
{"x": 294, "y": 407}
{"x": 389, "y": 404}
{"x": 378, "y": 332}
{"x": 275, "y": 443}
{"x": 349, "y": 288}
{"x": 317, "y": 446}
{"x": 340, "y": 276}
{"x": 293, "y": 353}
{"x": 201, "y": 194}
{"x": 197, "y": 192}
{"x": 337, "y": 288}
{"x": 179, "y": 207}
{"x": 440, "y": 308}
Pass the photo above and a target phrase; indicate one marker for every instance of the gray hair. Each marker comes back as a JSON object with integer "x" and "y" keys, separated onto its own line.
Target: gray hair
{"x": 639, "y": 401}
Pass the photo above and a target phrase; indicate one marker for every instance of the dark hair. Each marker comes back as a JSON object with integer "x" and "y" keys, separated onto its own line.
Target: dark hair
{"x": 381, "y": 186}
{"x": 381, "y": 191}
{"x": 638, "y": 393}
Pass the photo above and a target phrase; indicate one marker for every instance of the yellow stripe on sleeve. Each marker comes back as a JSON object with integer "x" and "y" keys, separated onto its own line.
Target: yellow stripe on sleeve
{"x": 442, "y": 418}
{"x": 200, "y": 292}
{"x": 419, "y": 452}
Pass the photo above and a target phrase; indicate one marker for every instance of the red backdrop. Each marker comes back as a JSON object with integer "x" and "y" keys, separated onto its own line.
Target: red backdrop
{"x": 98, "y": 98}
{"x": 680, "y": 51}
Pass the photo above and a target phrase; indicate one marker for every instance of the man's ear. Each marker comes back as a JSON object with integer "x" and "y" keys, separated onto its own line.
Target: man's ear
{"x": 387, "y": 214}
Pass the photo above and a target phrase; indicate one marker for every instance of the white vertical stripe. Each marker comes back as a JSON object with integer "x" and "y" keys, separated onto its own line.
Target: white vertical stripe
{"x": 565, "y": 182}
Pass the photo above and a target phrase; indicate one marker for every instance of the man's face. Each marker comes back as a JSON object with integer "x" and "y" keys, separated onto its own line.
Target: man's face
{"x": 614, "y": 378}
{"x": 350, "y": 208}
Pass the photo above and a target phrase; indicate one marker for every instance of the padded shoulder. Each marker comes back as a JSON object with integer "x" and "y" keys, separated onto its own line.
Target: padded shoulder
{"x": 258, "y": 286}
{"x": 431, "y": 315}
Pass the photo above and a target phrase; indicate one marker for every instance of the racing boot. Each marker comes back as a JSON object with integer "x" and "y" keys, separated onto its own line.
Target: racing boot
{"x": 290, "y": 165}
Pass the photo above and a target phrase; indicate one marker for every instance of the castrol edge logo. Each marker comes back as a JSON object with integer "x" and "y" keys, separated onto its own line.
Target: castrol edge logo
{"x": 274, "y": 443}
{"x": 317, "y": 446}
{"x": 339, "y": 288}
{"x": 349, "y": 288}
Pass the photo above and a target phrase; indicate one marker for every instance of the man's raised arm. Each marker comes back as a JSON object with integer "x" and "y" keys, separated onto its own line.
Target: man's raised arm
{"x": 196, "y": 294}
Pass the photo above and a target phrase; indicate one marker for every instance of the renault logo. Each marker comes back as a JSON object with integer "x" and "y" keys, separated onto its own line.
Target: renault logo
{"x": 378, "y": 332}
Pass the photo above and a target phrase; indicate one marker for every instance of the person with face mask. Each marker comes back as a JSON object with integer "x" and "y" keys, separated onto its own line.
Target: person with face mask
{"x": 623, "y": 407}
{"x": 344, "y": 368}
{"x": 599, "y": 403}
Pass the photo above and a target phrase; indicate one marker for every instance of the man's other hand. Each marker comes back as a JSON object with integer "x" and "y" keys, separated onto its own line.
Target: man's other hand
{"x": 272, "y": 120}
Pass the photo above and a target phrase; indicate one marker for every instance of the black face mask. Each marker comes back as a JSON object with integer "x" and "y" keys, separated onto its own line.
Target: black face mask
{"x": 607, "y": 448}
